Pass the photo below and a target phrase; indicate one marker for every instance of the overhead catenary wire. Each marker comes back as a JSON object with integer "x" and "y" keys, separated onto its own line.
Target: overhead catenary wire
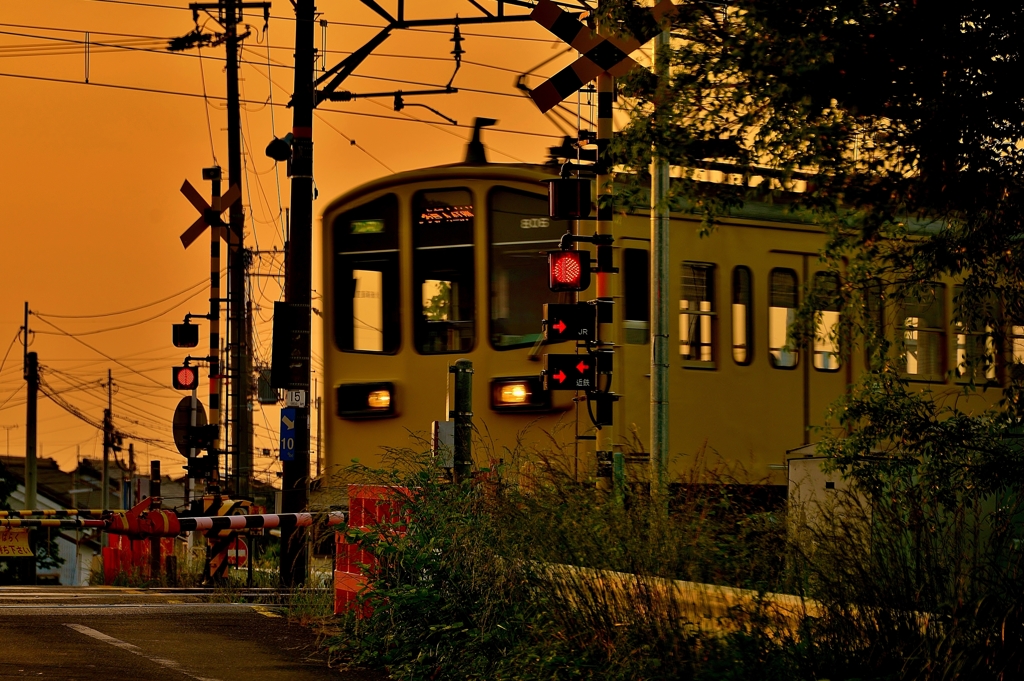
{"x": 67, "y": 81}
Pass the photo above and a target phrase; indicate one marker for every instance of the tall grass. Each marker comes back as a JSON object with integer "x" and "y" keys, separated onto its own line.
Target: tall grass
{"x": 527, "y": 574}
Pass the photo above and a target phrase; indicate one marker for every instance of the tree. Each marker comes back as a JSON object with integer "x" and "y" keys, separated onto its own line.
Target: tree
{"x": 903, "y": 118}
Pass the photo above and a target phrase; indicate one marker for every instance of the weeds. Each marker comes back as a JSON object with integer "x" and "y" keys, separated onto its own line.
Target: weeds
{"x": 527, "y": 574}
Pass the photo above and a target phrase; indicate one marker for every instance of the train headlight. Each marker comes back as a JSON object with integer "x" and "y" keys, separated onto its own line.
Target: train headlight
{"x": 379, "y": 399}
{"x": 366, "y": 400}
{"x": 513, "y": 393}
{"x": 519, "y": 393}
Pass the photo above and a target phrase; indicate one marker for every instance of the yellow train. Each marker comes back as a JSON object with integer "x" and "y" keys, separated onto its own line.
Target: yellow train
{"x": 425, "y": 267}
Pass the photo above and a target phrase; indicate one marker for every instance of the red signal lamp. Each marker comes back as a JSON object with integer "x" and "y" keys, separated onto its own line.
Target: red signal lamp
{"x": 185, "y": 378}
{"x": 568, "y": 270}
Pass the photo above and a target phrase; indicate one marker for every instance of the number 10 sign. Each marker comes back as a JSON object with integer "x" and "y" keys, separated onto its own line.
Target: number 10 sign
{"x": 287, "y": 451}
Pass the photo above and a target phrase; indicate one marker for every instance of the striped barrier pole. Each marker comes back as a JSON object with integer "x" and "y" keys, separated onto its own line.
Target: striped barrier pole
{"x": 168, "y": 524}
{"x": 54, "y": 513}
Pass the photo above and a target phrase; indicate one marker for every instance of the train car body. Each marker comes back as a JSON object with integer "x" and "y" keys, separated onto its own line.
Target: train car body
{"x": 429, "y": 266}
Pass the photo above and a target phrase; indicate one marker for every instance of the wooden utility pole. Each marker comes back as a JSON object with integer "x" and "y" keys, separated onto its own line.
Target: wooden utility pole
{"x": 32, "y": 379}
{"x": 298, "y": 284}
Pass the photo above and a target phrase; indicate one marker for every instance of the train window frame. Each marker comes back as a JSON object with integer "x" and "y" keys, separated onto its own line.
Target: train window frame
{"x": 420, "y": 334}
{"x": 747, "y": 316}
{"x": 939, "y": 332}
{"x": 384, "y": 252}
{"x": 776, "y": 362}
{"x": 710, "y": 314}
{"x": 636, "y": 295}
{"x": 542, "y": 246}
{"x": 968, "y": 341}
{"x": 827, "y": 346}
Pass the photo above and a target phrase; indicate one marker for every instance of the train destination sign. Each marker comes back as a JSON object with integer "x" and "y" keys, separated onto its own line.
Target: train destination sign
{"x": 573, "y": 322}
{"x": 569, "y": 372}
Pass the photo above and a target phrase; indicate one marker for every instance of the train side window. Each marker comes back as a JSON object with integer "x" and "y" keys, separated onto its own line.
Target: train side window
{"x": 742, "y": 315}
{"x": 366, "y": 289}
{"x": 924, "y": 334}
{"x": 636, "y": 282}
{"x": 697, "y": 316}
{"x": 975, "y": 349}
{"x": 826, "y": 328}
{"x": 521, "y": 233}
{"x": 443, "y": 270}
{"x": 782, "y": 292}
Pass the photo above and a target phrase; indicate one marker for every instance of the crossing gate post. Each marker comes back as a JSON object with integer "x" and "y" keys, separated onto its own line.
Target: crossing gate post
{"x": 154, "y": 543}
{"x": 463, "y": 464}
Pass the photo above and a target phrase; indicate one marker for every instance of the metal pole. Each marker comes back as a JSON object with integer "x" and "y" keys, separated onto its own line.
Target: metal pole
{"x": 659, "y": 297}
{"x": 214, "y": 347}
{"x": 606, "y": 285}
{"x": 154, "y": 496}
{"x": 192, "y": 450}
{"x": 463, "y": 454}
{"x": 299, "y": 284}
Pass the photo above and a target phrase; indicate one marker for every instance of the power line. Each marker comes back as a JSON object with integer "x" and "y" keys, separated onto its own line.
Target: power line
{"x": 134, "y": 88}
{"x": 131, "y": 309}
{"x": 126, "y": 326}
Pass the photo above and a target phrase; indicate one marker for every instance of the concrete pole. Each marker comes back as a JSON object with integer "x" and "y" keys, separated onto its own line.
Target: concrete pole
{"x": 298, "y": 285}
{"x": 659, "y": 298}
{"x": 32, "y": 376}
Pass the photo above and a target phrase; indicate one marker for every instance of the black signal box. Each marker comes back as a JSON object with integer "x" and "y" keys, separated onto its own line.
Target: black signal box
{"x": 185, "y": 335}
{"x": 576, "y": 322}
{"x": 570, "y": 372}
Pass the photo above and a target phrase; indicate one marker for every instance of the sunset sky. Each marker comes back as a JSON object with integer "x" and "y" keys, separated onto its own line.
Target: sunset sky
{"x": 90, "y": 203}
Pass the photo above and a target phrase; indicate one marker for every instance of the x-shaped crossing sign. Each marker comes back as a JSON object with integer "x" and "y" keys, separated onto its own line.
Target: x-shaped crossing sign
{"x": 209, "y": 216}
{"x": 598, "y": 53}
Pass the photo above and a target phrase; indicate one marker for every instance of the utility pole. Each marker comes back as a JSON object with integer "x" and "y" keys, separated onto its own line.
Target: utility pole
{"x": 241, "y": 417}
{"x": 298, "y": 285}
{"x": 659, "y": 297}
{"x": 9, "y": 429}
{"x": 108, "y": 441}
{"x": 31, "y": 368}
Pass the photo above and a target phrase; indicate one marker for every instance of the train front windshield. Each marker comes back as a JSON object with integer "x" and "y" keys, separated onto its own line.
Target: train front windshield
{"x": 521, "y": 233}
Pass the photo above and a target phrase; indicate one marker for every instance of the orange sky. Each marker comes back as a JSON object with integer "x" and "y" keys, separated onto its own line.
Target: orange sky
{"x": 90, "y": 204}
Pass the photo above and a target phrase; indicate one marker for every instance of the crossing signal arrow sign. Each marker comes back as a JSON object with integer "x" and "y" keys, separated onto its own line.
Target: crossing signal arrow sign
{"x": 209, "y": 216}
{"x": 598, "y": 53}
{"x": 568, "y": 372}
{"x": 573, "y": 322}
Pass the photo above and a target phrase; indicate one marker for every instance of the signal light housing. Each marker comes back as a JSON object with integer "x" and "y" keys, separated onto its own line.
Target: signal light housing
{"x": 568, "y": 270}
{"x": 185, "y": 378}
{"x": 185, "y": 335}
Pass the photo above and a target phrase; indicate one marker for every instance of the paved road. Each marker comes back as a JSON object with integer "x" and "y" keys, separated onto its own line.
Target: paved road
{"x": 86, "y": 634}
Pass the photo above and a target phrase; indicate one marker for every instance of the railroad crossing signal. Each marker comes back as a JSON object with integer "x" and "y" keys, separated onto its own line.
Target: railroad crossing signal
{"x": 569, "y": 322}
{"x": 569, "y": 372}
{"x": 209, "y": 216}
{"x": 185, "y": 335}
{"x": 568, "y": 270}
{"x": 185, "y": 378}
{"x": 599, "y": 53}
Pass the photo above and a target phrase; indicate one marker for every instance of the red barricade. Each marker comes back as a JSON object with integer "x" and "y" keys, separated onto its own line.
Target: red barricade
{"x": 368, "y": 505}
{"x": 130, "y": 556}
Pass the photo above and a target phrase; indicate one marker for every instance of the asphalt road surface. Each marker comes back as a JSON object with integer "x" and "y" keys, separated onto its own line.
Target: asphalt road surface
{"x": 86, "y": 634}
